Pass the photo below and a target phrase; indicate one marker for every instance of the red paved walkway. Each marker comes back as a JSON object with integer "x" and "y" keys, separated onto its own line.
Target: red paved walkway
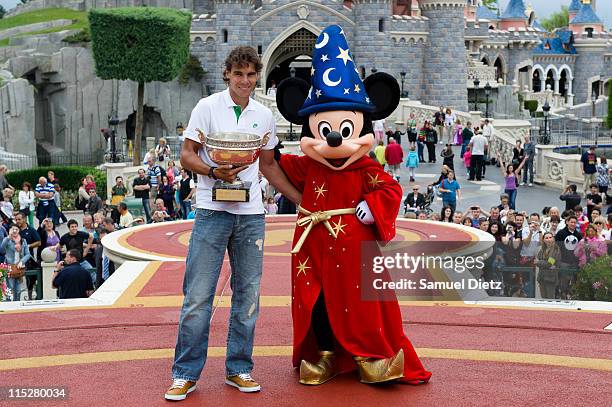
{"x": 145, "y": 324}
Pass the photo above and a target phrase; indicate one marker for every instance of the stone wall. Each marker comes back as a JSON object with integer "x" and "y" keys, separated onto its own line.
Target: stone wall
{"x": 444, "y": 68}
{"x": 372, "y": 48}
{"x": 591, "y": 64}
{"x": 17, "y": 106}
{"x": 234, "y": 17}
{"x": 73, "y": 104}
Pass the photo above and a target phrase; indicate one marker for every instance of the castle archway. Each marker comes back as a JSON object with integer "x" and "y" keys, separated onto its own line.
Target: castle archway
{"x": 291, "y": 49}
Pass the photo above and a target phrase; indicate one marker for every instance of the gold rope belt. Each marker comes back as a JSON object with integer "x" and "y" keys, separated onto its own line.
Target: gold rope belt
{"x": 313, "y": 218}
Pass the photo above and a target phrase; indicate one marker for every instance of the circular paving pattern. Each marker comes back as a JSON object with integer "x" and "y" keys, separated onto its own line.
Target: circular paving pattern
{"x": 169, "y": 241}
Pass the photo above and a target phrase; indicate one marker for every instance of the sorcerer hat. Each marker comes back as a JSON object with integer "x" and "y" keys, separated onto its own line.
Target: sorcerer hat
{"x": 335, "y": 82}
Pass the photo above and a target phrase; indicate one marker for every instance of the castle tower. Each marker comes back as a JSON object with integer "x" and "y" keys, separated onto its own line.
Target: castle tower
{"x": 514, "y": 15}
{"x": 591, "y": 45}
{"x": 574, "y": 8}
{"x": 371, "y": 37}
{"x": 234, "y": 19}
{"x": 586, "y": 19}
{"x": 444, "y": 64}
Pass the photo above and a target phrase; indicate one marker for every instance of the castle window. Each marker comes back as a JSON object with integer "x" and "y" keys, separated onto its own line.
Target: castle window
{"x": 547, "y": 45}
{"x": 381, "y": 25}
{"x": 589, "y": 31}
{"x": 224, "y": 32}
{"x": 259, "y": 49}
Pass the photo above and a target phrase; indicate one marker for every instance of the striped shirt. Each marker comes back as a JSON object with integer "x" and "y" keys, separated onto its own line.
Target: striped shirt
{"x": 48, "y": 187}
{"x": 154, "y": 172}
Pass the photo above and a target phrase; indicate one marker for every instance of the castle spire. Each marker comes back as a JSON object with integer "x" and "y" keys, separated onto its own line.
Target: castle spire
{"x": 514, "y": 11}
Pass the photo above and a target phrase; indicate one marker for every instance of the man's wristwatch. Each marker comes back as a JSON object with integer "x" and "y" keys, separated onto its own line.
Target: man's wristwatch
{"x": 211, "y": 173}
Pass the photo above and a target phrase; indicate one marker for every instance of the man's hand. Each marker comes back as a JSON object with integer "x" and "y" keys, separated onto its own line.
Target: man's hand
{"x": 228, "y": 173}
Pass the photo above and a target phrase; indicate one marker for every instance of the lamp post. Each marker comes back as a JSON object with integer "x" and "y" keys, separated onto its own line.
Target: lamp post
{"x": 566, "y": 87}
{"x": 476, "y": 84}
{"x": 487, "y": 89}
{"x": 545, "y": 139}
{"x": 403, "y": 76}
{"x": 110, "y": 134}
{"x": 593, "y": 100}
{"x": 292, "y": 73}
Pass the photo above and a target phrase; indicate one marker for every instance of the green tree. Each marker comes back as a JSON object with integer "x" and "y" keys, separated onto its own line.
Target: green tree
{"x": 609, "y": 118}
{"x": 142, "y": 44}
{"x": 2, "y": 11}
{"x": 558, "y": 19}
{"x": 491, "y": 4}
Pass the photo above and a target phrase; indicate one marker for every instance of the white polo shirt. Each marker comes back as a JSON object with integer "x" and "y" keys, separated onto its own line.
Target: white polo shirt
{"x": 214, "y": 114}
{"x": 479, "y": 142}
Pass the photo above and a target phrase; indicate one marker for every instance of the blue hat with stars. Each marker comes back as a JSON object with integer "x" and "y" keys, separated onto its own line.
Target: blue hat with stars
{"x": 335, "y": 82}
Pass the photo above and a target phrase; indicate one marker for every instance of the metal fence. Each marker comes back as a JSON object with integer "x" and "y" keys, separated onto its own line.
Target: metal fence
{"x": 564, "y": 131}
{"x": 22, "y": 162}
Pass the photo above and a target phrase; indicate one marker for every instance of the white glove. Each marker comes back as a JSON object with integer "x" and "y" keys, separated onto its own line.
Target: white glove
{"x": 364, "y": 214}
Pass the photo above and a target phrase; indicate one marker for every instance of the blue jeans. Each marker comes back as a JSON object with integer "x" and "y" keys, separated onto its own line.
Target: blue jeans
{"x": 451, "y": 204}
{"x": 528, "y": 168}
{"x": 185, "y": 208}
{"x": 511, "y": 198}
{"x": 15, "y": 285}
{"x": 420, "y": 148}
{"x": 147, "y": 209}
{"x": 47, "y": 211}
{"x": 213, "y": 233}
{"x": 464, "y": 147}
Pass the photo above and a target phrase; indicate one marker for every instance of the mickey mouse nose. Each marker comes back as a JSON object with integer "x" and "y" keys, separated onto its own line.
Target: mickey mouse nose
{"x": 334, "y": 139}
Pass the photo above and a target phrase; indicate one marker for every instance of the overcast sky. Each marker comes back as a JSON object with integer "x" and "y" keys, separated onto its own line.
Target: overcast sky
{"x": 542, "y": 7}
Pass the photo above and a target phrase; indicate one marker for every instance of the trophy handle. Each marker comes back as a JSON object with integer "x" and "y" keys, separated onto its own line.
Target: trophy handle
{"x": 265, "y": 139}
{"x": 201, "y": 136}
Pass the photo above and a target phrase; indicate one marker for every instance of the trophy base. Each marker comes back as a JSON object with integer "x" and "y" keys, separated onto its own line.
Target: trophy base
{"x": 235, "y": 192}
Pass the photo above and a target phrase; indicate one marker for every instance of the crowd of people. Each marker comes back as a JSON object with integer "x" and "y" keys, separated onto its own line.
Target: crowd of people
{"x": 557, "y": 242}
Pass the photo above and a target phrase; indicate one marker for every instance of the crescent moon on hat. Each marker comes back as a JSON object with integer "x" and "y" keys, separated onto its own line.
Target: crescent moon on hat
{"x": 323, "y": 42}
{"x": 326, "y": 79}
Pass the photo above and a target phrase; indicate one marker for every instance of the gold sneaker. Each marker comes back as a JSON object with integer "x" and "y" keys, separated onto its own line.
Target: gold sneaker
{"x": 179, "y": 389}
{"x": 380, "y": 370}
{"x": 243, "y": 382}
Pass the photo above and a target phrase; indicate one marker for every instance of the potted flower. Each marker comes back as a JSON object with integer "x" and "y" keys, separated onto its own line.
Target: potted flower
{"x": 4, "y": 271}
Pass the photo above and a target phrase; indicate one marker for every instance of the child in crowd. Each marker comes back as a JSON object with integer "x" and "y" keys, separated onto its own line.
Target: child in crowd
{"x": 467, "y": 160}
{"x": 271, "y": 207}
{"x": 412, "y": 162}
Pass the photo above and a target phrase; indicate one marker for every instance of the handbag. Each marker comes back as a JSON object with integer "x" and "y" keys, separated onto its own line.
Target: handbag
{"x": 17, "y": 272}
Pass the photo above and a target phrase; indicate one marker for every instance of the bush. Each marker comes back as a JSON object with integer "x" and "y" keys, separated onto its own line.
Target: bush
{"x": 142, "y": 44}
{"x": 191, "y": 69}
{"x": 69, "y": 178}
{"x": 82, "y": 36}
{"x": 531, "y": 105}
{"x": 594, "y": 282}
{"x": 609, "y": 118}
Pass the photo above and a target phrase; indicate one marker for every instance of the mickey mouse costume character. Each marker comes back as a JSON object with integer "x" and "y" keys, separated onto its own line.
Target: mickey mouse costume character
{"x": 346, "y": 199}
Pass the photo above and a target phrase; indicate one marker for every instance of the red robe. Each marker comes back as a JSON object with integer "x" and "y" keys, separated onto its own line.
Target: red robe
{"x": 361, "y": 328}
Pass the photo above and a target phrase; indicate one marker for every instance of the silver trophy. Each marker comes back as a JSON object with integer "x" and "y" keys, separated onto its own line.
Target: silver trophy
{"x": 236, "y": 149}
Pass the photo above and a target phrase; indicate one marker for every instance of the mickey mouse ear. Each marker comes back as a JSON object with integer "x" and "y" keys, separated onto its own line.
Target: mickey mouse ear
{"x": 290, "y": 97}
{"x": 384, "y": 93}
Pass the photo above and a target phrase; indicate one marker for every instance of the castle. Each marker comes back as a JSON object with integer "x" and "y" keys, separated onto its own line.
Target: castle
{"x": 440, "y": 51}
{"x": 436, "y": 47}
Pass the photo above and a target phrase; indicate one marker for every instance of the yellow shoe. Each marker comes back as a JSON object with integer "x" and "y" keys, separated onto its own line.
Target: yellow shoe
{"x": 324, "y": 370}
{"x": 243, "y": 382}
{"x": 380, "y": 370}
{"x": 179, "y": 389}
